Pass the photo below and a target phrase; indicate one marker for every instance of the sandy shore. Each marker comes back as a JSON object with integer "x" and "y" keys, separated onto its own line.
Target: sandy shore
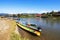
{"x": 6, "y": 27}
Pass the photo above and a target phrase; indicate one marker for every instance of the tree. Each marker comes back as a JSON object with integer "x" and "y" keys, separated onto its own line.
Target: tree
{"x": 14, "y": 15}
{"x": 52, "y": 12}
{"x": 18, "y": 15}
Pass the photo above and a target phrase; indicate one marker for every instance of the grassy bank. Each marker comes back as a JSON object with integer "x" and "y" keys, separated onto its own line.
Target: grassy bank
{"x": 7, "y": 30}
{"x": 15, "y": 36}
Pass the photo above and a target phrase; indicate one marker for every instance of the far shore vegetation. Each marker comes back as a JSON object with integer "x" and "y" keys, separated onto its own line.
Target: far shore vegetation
{"x": 32, "y": 15}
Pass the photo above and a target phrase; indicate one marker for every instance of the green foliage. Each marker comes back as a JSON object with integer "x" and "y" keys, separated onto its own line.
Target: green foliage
{"x": 50, "y": 14}
{"x": 18, "y": 15}
{"x": 15, "y": 36}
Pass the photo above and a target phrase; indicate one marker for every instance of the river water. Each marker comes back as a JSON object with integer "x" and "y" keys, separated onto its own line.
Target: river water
{"x": 50, "y": 28}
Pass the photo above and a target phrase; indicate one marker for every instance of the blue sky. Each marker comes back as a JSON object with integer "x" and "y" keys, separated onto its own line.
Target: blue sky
{"x": 29, "y": 6}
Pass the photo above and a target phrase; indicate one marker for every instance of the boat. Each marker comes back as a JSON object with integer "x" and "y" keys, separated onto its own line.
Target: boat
{"x": 28, "y": 29}
{"x": 16, "y": 19}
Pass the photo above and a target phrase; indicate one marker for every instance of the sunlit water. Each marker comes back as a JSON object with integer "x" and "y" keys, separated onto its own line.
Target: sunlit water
{"x": 50, "y": 27}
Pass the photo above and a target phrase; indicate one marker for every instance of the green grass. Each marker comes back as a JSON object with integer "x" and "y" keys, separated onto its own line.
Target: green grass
{"x": 15, "y": 36}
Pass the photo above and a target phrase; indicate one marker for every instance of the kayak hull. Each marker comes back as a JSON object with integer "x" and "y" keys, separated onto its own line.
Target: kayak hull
{"x": 36, "y": 32}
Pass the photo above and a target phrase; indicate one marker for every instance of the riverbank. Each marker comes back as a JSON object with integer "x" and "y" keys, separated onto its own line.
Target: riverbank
{"x": 9, "y": 30}
{"x": 6, "y": 28}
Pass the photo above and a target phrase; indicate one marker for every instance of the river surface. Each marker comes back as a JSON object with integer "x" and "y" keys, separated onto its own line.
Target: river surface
{"x": 50, "y": 28}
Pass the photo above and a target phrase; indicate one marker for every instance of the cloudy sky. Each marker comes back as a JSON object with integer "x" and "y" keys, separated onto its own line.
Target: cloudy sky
{"x": 29, "y": 6}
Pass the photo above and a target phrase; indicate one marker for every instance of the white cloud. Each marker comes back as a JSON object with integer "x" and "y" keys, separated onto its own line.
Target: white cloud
{"x": 44, "y": 11}
{"x": 23, "y": 10}
{"x": 56, "y": 10}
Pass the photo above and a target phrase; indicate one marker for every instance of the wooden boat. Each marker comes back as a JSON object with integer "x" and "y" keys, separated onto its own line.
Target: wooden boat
{"x": 34, "y": 31}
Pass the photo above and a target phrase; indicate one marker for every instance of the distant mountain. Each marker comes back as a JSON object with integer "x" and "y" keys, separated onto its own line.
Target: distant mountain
{"x": 3, "y": 14}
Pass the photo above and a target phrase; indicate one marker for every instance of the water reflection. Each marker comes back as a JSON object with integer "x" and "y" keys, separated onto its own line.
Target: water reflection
{"x": 50, "y": 26}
